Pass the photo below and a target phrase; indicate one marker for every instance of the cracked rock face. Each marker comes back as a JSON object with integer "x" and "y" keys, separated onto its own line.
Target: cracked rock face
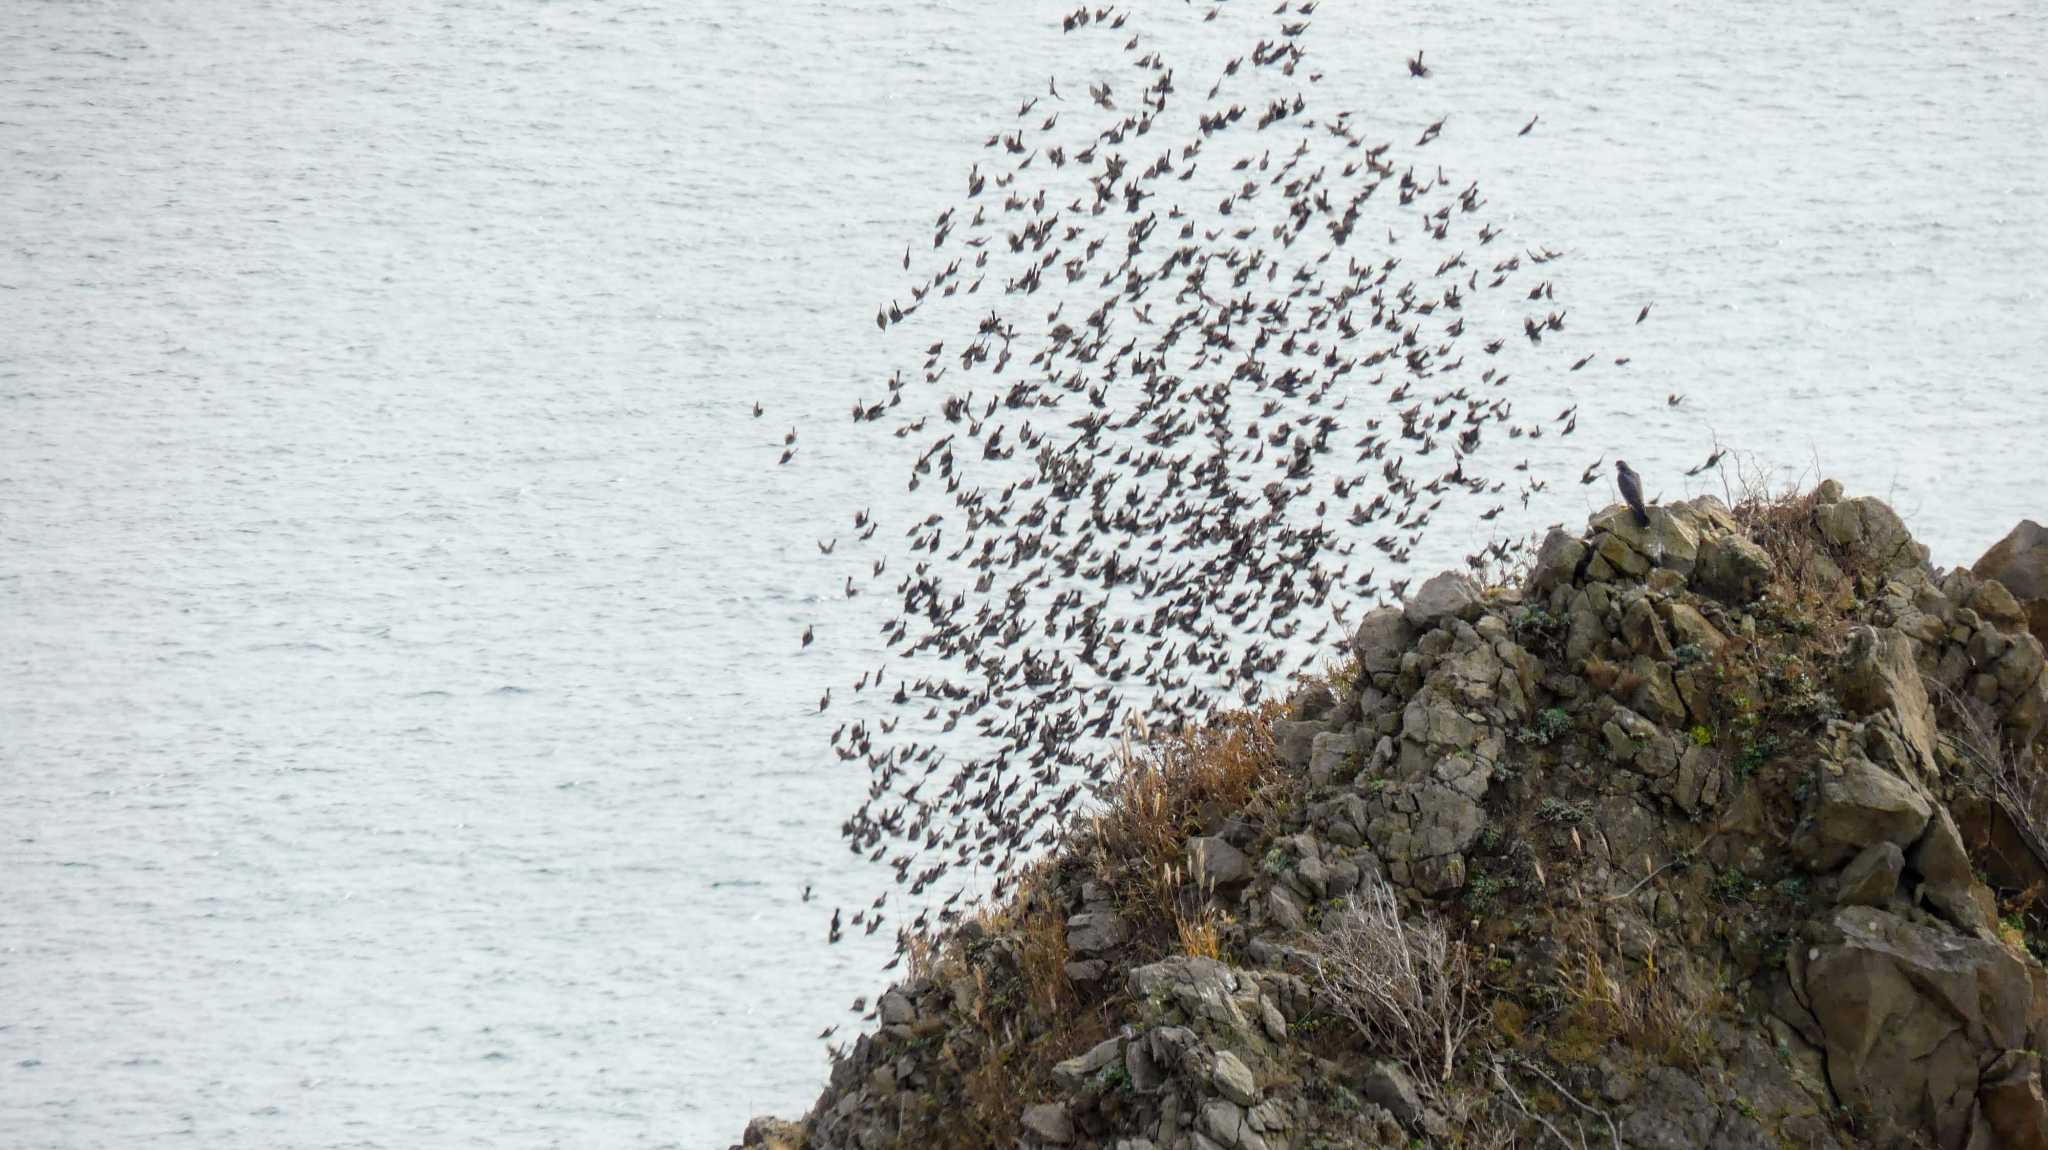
{"x": 1906, "y": 1012}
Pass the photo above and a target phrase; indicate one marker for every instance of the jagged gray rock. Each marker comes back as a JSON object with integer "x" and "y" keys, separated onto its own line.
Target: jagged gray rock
{"x": 1050, "y": 1122}
{"x": 1217, "y": 864}
{"x": 1871, "y": 532}
{"x": 1857, "y": 803}
{"x": 1557, "y": 561}
{"x": 2020, "y": 563}
{"x": 1451, "y": 594}
{"x": 1383, "y": 636}
{"x": 1872, "y": 877}
{"x": 1733, "y": 568}
{"x": 1234, "y": 1079}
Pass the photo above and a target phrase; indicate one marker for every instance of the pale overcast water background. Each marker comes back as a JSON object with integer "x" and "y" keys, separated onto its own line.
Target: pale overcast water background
{"x": 404, "y": 740}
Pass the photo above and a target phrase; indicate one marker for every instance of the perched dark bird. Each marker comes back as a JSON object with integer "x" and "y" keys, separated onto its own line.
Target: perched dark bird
{"x": 1631, "y": 490}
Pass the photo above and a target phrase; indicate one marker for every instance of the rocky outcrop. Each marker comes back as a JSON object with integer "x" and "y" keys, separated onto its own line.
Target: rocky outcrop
{"x": 1720, "y": 810}
{"x": 2019, "y": 564}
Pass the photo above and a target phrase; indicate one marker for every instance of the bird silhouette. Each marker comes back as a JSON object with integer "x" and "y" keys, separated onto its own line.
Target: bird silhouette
{"x": 1151, "y": 440}
{"x": 1631, "y": 486}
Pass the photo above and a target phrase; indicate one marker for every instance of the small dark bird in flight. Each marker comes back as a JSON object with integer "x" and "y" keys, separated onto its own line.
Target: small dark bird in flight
{"x": 1645, "y": 313}
{"x": 1631, "y": 486}
{"x": 1592, "y": 474}
{"x": 1531, "y": 124}
{"x": 825, "y": 701}
{"x": 826, "y": 548}
{"x": 1417, "y": 68}
{"x": 1674, "y": 399}
{"x": 757, "y": 411}
{"x": 808, "y": 638}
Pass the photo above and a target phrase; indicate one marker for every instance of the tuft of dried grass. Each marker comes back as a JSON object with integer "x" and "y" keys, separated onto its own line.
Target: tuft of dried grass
{"x": 1163, "y": 795}
{"x": 1659, "y": 1010}
{"x": 1808, "y": 580}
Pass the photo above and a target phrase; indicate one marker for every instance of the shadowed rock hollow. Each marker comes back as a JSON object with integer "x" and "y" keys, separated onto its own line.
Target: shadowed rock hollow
{"x": 1723, "y": 831}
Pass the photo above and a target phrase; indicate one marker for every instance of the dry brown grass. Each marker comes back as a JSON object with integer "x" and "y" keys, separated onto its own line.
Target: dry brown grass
{"x": 1165, "y": 794}
{"x": 1808, "y": 579}
{"x": 1658, "y": 1010}
{"x": 1021, "y": 1025}
{"x": 1197, "y": 931}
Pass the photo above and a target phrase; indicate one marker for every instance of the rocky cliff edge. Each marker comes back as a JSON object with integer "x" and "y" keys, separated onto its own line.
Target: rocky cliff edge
{"x": 1720, "y": 832}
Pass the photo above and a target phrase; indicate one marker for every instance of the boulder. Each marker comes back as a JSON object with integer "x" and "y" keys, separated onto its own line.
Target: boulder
{"x": 1858, "y": 803}
{"x": 1095, "y": 930}
{"x": 1331, "y": 754}
{"x": 1381, "y": 639}
{"x": 1670, "y": 1112}
{"x": 2015, "y": 1105}
{"x": 1233, "y": 1079}
{"x": 1879, "y": 673}
{"x": 773, "y": 1134}
{"x": 2020, "y": 563}
{"x": 1908, "y": 1014}
{"x": 895, "y": 1008}
{"x": 1872, "y": 877}
{"x": 1204, "y": 990}
{"x": 1671, "y": 540}
{"x": 1421, "y": 831}
{"x": 1447, "y": 595}
{"x": 1871, "y": 533}
{"x": 1690, "y": 628}
{"x": 1215, "y": 863}
{"x": 1075, "y": 1072}
{"x": 1388, "y": 1085}
{"x": 1295, "y": 740}
{"x": 1050, "y": 1122}
{"x": 1733, "y": 568}
{"x": 1225, "y": 1123}
{"x": 1557, "y": 562}
{"x": 1948, "y": 884}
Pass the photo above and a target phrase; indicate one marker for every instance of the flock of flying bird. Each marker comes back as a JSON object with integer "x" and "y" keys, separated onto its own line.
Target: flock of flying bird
{"x": 1216, "y": 405}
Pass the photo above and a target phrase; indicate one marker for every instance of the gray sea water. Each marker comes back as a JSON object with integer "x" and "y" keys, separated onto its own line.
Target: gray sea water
{"x": 404, "y": 740}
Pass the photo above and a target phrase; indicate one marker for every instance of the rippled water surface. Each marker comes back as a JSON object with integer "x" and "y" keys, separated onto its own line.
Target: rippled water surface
{"x": 403, "y": 737}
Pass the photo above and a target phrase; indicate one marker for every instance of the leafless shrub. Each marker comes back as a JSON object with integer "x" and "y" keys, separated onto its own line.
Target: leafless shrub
{"x": 2003, "y": 774}
{"x": 1404, "y": 983}
{"x": 1500, "y": 1077}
